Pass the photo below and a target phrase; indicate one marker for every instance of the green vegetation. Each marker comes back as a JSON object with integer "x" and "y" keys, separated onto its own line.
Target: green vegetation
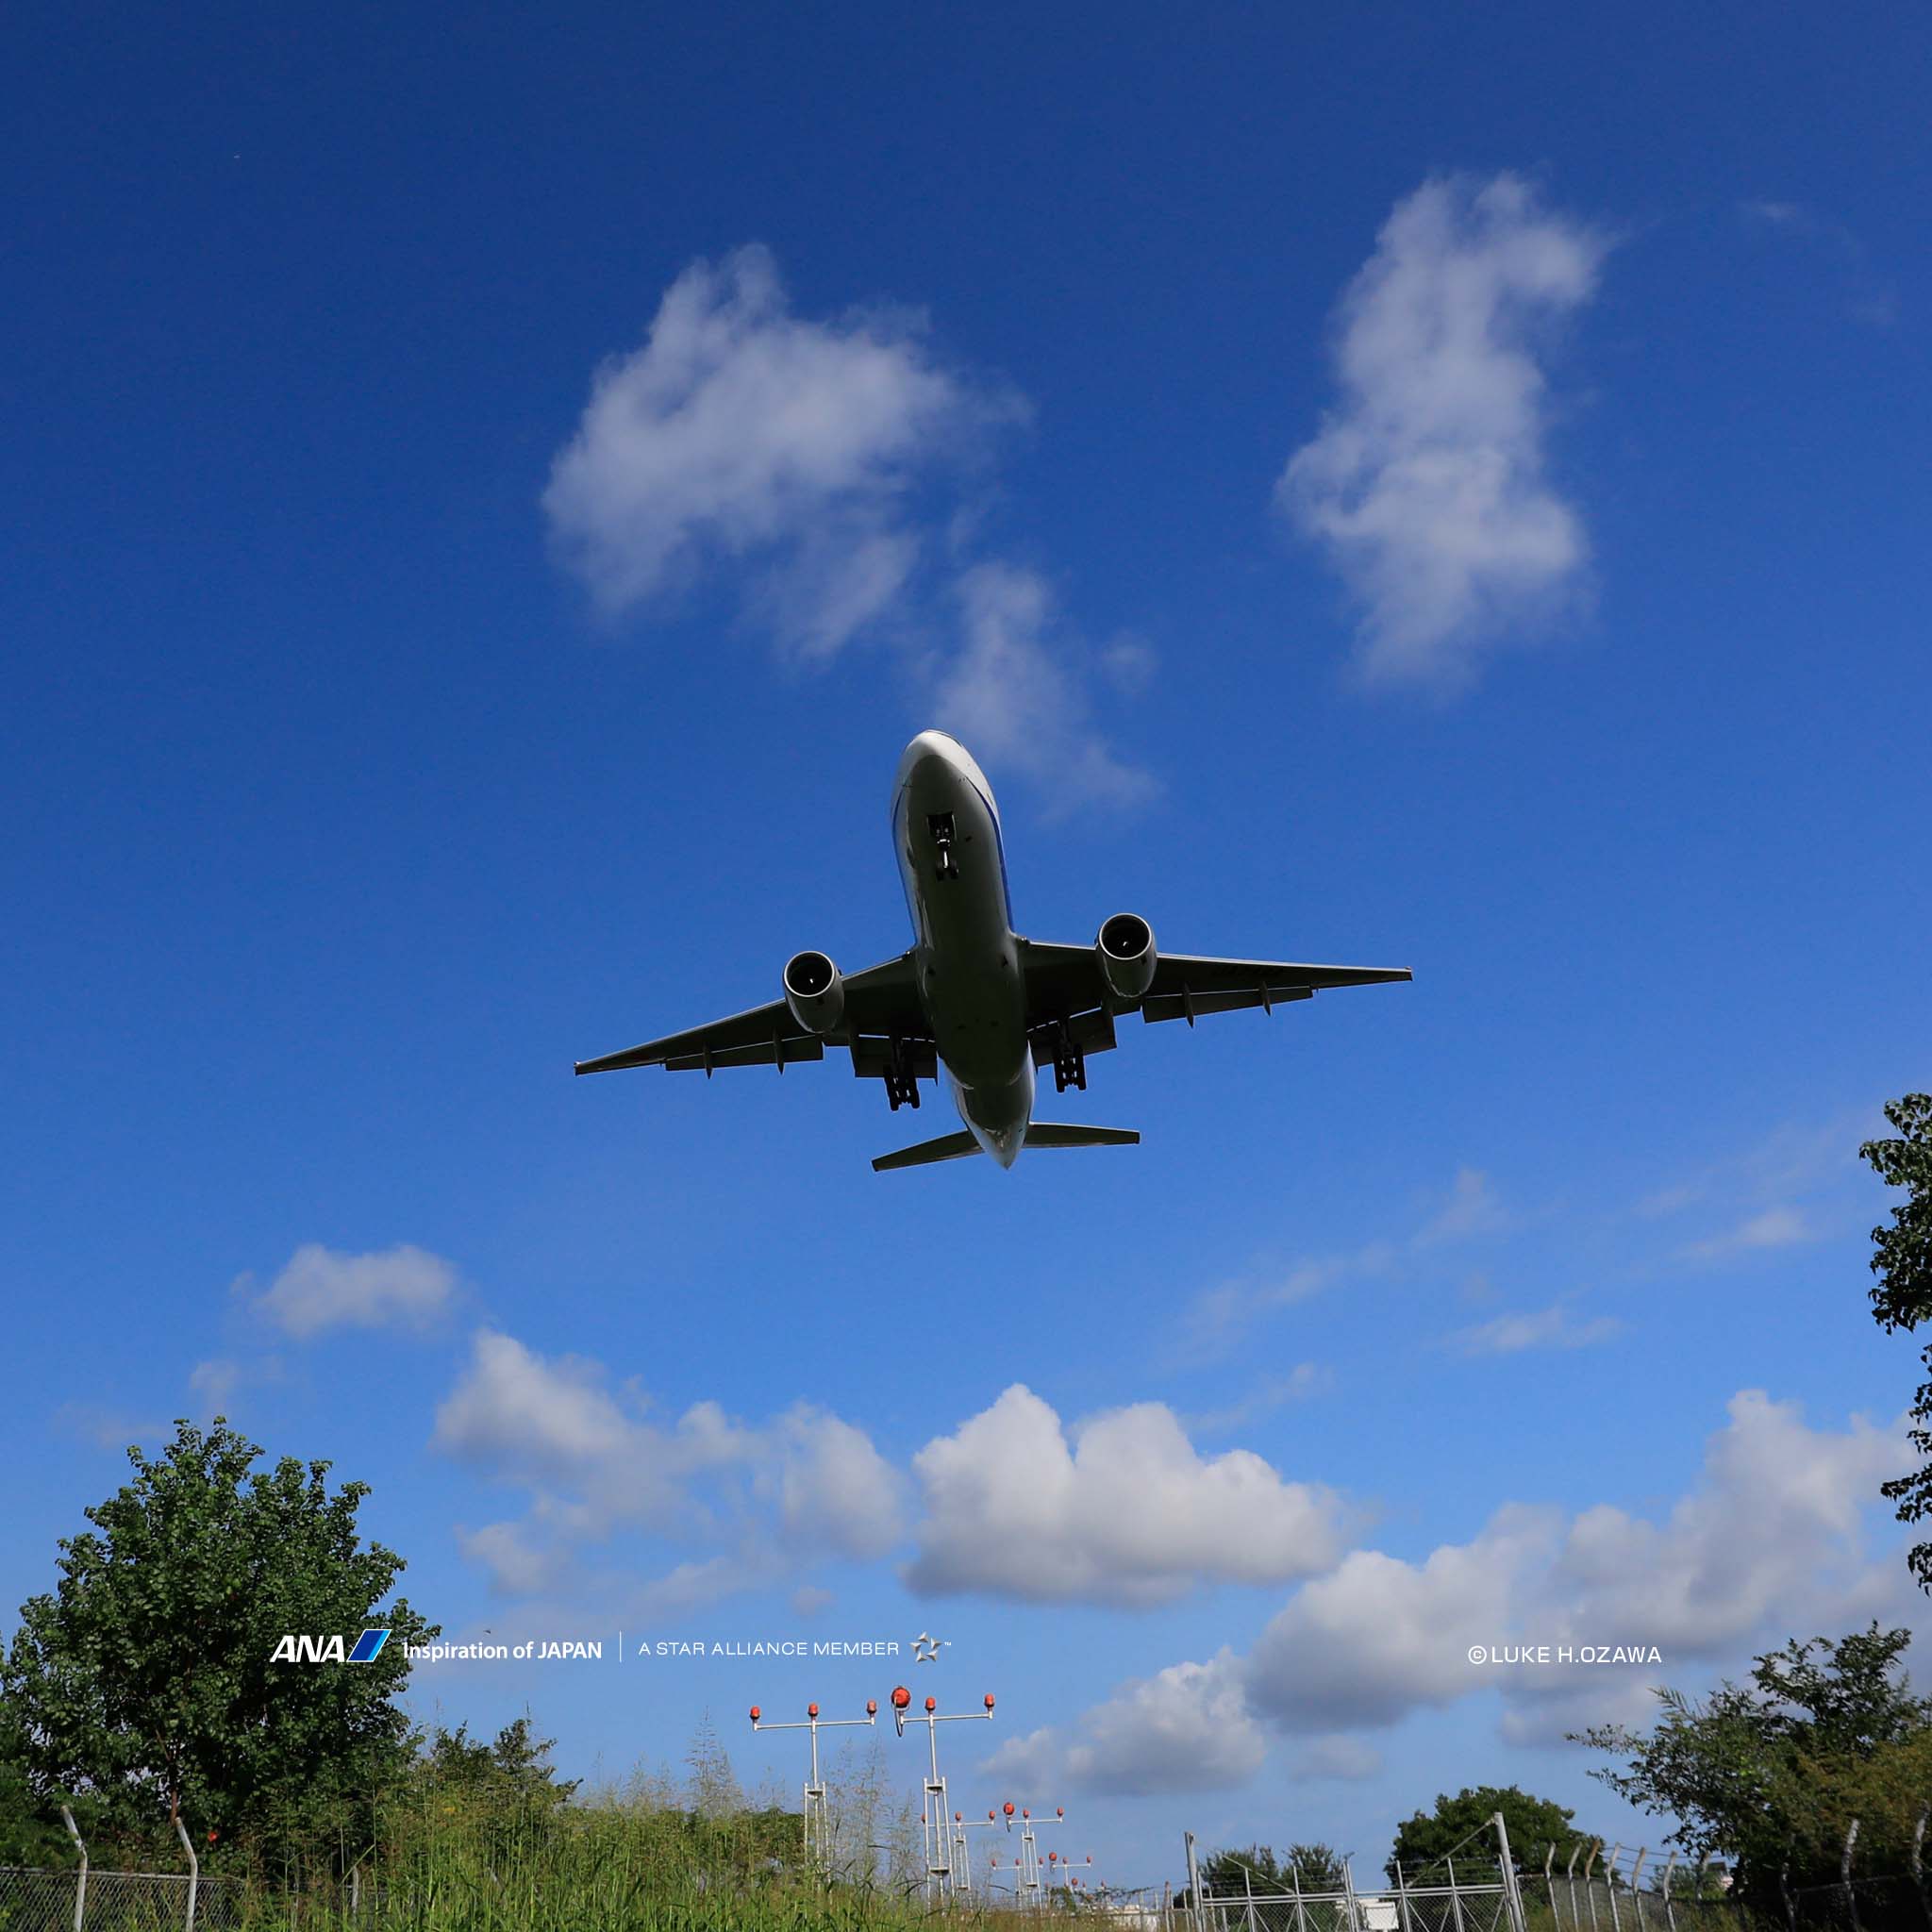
{"x": 1902, "y": 1259}
{"x": 1460, "y": 1826}
{"x": 1774, "y": 1771}
{"x": 146, "y": 1688}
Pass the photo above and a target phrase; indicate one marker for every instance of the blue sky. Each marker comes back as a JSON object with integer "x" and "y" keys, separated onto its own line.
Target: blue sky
{"x": 484, "y": 511}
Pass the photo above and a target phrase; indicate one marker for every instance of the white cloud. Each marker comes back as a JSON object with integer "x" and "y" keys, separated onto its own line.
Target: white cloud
{"x": 1119, "y": 1509}
{"x": 1426, "y": 484}
{"x": 741, "y": 431}
{"x": 1774, "y": 1227}
{"x": 806, "y": 457}
{"x": 1556, "y": 1326}
{"x": 1006, "y": 690}
{"x": 402, "y": 1287}
{"x": 802, "y": 1487}
{"x": 1768, "y": 1542}
{"x": 1185, "y": 1729}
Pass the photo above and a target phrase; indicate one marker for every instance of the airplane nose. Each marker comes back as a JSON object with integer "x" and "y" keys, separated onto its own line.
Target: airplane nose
{"x": 1005, "y": 1146}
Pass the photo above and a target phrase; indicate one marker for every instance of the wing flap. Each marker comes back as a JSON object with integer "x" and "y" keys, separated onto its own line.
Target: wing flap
{"x": 1188, "y": 1005}
{"x": 773, "y": 1053}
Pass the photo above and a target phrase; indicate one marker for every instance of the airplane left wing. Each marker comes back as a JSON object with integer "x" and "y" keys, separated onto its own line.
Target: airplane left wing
{"x": 883, "y": 1001}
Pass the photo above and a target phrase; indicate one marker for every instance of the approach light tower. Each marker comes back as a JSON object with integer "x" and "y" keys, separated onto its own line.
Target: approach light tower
{"x": 961, "y": 1826}
{"x": 935, "y": 1823}
{"x": 1028, "y": 1885}
{"x": 818, "y": 1823}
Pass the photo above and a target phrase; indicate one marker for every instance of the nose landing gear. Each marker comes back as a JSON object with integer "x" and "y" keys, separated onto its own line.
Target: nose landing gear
{"x": 939, "y": 825}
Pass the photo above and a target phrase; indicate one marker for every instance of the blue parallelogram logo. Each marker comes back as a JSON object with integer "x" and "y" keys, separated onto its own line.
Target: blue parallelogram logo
{"x": 368, "y": 1646}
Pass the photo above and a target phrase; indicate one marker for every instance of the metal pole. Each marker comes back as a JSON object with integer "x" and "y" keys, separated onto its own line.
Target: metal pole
{"x": 1844, "y": 1874}
{"x": 1511, "y": 1896}
{"x": 1670, "y": 1911}
{"x": 1610, "y": 1885}
{"x": 1589, "y": 1897}
{"x": 193, "y": 1868}
{"x": 80, "y": 1846}
{"x": 1193, "y": 1881}
{"x": 1637, "y": 1887}
{"x": 1401, "y": 1912}
{"x": 1550, "y": 1885}
{"x": 1570, "y": 1885}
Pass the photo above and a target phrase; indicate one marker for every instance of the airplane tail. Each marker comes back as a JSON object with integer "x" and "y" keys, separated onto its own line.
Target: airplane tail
{"x": 1053, "y": 1134}
{"x": 947, "y": 1147}
{"x": 1041, "y": 1134}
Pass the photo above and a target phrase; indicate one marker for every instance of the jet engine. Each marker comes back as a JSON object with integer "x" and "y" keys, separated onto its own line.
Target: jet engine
{"x": 1126, "y": 945}
{"x": 814, "y": 991}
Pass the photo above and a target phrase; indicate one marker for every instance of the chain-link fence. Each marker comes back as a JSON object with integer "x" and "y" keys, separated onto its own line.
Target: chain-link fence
{"x": 84, "y": 1900}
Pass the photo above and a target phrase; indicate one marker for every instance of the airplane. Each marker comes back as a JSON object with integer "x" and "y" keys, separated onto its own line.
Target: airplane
{"x": 971, "y": 996}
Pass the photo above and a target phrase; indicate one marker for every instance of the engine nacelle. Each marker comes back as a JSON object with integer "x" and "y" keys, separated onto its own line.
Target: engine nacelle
{"x": 1126, "y": 945}
{"x": 814, "y": 991}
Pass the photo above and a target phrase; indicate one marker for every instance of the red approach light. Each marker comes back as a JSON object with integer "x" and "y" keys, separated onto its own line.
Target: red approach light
{"x": 901, "y": 1697}
{"x": 989, "y": 1700}
{"x": 872, "y": 1707}
{"x": 1024, "y": 1813}
{"x": 811, "y": 1710}
{"x": 753, "y": 1713}
{"x": 1053, "y": 1858}
{"x": 932, "y": 1703}
{"x": 989, "y": 1815}
{"x": 1059, "y": 1810}
{"x": 1009, "y": 1809}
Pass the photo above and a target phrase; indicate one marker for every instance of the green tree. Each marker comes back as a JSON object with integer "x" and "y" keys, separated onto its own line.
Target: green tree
{"x": 516, "y": 1769}
{"x": 1459, "y": 1828}
{"x": 1230, "y": 1871}
{"x": 147, "y": 1689}
{"x": 1902, "y": 1259}
{"x": 1773, "y": 1770}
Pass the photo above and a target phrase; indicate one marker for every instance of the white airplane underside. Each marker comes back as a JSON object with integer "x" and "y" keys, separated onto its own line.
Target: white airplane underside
{"x": 973, "y": 997}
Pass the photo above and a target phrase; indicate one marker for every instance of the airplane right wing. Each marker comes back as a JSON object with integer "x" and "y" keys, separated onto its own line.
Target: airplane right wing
{"x": 881, "y": 1006}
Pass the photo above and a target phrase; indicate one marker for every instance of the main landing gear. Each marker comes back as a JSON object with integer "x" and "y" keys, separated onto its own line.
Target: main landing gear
{"x": 902, "y": 1084}
{"x": 1069, "y": 1064}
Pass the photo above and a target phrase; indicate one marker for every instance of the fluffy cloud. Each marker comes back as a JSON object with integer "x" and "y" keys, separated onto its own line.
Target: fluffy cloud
{"x": 1774, "y": 1227}
{"x": 805, "y": 456}
{"x": 1426, "y": 483}
{"x": 1185, "y": 1729}
{"x": 804, "y": 1486}
{"x": 1119, "y": 1509}
{"x": 1769, "y": 1540}
{"x": 1005, "y": 689}
{"x": 741, "y": 431}
{"x": 319, "y": 1290}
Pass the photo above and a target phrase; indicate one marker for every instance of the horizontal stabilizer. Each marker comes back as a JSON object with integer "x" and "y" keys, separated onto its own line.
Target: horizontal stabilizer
{"x": 1052, "y": 1134}
{"x": 947, "y": 1147}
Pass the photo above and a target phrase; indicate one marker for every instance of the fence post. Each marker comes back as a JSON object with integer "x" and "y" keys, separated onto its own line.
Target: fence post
{"x": 193, "y": 1868}
{"x": 1670, "y": 1911}
{"x": 1511, "y": 1896}
{"x": 80, "y": 1883}
{"x": 1610, "y": 1885}
{"x": 1354, "y": 1910}
{"x": 1844, "y": 1874}
{"x": 1637, "y": 1887}
{"x": 1403, "y": 1918}
{"x": 1550, "y": 1885}
{"x": 1570, "y": 1885}
{"x": 1194, "y": 1881}
{"x": 1589, "y": 1897}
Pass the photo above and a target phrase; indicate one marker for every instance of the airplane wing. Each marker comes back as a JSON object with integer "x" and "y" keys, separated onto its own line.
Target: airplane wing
{"x": 1064, "y": 985}
{"x": 881, "y": 1003}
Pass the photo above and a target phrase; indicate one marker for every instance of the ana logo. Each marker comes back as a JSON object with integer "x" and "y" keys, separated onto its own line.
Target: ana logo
{"x": 330, "y": 1650}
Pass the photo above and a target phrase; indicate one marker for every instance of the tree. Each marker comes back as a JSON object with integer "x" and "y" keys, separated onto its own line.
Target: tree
{"x": 1774, "y": 1771}
{"x": 1458, "y": 1827}
{"x": 146, "y": 1687}
{"x": 1228, "y": 1873}
{"x": 1902, "y": 1259}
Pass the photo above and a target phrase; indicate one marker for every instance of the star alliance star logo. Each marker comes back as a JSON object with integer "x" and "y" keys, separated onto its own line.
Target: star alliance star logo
{"x": 925, "y": 1650}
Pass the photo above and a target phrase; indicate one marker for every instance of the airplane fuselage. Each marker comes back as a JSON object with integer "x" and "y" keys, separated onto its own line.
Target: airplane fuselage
{"x": 947, "y": 833}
